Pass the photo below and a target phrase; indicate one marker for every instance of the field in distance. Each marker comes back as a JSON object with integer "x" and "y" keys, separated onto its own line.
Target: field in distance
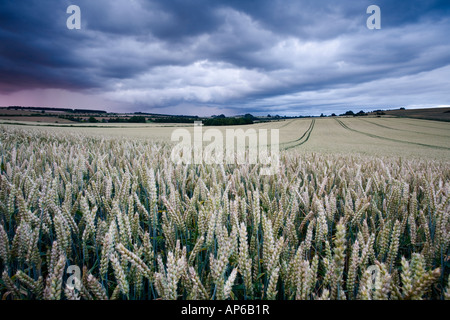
{"x": 441, "y": 114}
{"x": 399, "y": 137}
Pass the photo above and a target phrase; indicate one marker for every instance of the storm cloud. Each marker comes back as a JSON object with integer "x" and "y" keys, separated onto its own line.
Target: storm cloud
{"x": 207, "y": 57}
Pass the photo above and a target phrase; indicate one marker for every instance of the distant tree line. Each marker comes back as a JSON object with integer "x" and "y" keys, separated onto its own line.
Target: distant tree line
{"x": 71, "y": 118}
{"x": 351, "y": 113}
{"x": 175, "y": 119}
{"x": 56, "y": 109}
{"x": 133, "y": 119}
{"x": 221, "y": 120}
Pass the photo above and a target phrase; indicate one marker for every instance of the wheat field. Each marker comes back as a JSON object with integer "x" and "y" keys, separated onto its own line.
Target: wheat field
{"x": 359, "y": 210}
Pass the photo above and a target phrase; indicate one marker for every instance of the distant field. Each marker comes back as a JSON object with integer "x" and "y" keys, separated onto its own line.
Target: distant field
{"x": 366, "y": 135}
{"x": 43, "y": 119}
{"x": 441, "y": 114}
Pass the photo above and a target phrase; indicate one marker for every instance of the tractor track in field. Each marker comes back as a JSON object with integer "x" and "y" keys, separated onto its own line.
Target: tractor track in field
{"x": 286, "y": 124}
{"x": 305, "y": 135}
{"x": 408, "y": 123}
{"x": 404, "y": 130}
{"x": 390, "y": 139}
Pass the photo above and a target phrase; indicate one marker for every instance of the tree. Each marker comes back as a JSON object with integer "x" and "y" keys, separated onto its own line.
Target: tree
{"x": 348, "y": 113}
{"x": 361, "y": 113}
{"x": 137, "y": 119}
{"x": 227, "y": 121}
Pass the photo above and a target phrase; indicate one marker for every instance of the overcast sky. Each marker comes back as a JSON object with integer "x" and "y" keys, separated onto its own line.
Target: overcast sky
{"x": 209, "y": 57}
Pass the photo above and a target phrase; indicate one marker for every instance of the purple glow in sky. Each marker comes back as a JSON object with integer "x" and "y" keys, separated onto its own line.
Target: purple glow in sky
{"x": 209, "y": 57}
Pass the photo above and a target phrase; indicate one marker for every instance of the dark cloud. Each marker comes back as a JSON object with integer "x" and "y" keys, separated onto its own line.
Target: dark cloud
{"x": 261, "y": 56}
